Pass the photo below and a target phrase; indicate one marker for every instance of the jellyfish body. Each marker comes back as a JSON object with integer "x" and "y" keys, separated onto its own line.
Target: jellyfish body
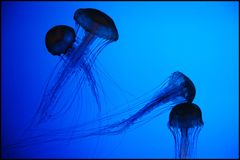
{"x": 185, "y": 123}
{"x": 59, "y": 39}
{"x": 78, "y": 50}
{"x": 96, "y": 23}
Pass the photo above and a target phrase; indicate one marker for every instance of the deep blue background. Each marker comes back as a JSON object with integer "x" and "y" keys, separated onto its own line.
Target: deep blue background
{"x": 199, "y": 39}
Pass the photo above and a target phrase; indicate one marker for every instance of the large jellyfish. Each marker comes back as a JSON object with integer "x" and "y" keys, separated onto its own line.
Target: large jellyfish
{"x": 78, "y": 50}
{"x": 185, "y": 123}
{"x": 177, "y": 89}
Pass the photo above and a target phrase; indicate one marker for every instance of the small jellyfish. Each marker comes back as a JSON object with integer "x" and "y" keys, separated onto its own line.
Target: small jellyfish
{"x": 59, "y": 39}
{"x": 185, "y": 123}
{"x": 78, "y": 50}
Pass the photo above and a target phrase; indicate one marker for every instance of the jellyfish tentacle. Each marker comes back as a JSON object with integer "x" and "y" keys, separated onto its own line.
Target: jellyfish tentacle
{"x": 49, "y": 96}
{"x": 88, "y": 72}
{"x": 63, "y": 76}
{"x": 168, "y": 93}
{"x": 53, "y": 93}
{"x": 93, "y": 31}
{"x": 157, "y": 101}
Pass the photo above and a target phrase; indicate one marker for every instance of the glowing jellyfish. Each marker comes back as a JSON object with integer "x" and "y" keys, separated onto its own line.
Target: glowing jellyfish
{"x": 78, "y": 50}
{"x": 185, "y": 123}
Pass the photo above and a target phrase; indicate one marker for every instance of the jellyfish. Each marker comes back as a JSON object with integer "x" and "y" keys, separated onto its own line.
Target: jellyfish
{"x": 59, "y": 39}
{"x": 185, "y": 123}
{"x": 78, "y": 49}
{"x": 176, "y": 89}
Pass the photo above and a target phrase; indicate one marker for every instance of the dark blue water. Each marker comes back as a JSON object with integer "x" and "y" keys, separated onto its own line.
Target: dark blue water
{"x": 155, "y": 40}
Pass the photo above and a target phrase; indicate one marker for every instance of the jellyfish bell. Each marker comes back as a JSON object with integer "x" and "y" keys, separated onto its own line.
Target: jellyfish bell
{"x": 177, "y": 88}
{"x": 185, "y": 84}
{"x": 97, "y": 23}
{"x": 185, "y": 115}
{"x": 94, "y": 31}
{"x": 59, "y": 39}
{"x": 185, "y": 123}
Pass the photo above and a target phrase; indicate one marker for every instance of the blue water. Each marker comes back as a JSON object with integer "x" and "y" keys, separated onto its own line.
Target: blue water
{"x": 199, "y": 39}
